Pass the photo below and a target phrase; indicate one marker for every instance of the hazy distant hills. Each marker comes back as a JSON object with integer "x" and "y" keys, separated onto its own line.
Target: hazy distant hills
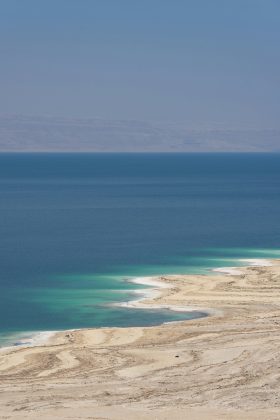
{"x": 25, "y": 133}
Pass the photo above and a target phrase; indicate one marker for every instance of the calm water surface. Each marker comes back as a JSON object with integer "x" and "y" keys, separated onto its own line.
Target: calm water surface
{"x": 75, "y": 227}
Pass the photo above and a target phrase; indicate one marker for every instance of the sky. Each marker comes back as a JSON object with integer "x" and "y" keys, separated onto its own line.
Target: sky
{"x": 192, "y": 61}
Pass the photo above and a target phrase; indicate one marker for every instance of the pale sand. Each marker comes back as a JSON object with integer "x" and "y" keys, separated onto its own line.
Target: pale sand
{"x": 225, "y": 366}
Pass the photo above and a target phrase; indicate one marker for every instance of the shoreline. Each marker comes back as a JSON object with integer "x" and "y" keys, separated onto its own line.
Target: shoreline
{"x": 156, "y": 286}
{"x": 220, "y": 366}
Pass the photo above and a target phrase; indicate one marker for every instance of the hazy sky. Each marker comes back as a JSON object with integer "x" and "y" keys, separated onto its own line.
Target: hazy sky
{"x": 176, "y": 60}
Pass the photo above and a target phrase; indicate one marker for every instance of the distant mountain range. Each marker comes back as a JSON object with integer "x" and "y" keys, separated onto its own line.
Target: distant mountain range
{"x": 29, "y": 133}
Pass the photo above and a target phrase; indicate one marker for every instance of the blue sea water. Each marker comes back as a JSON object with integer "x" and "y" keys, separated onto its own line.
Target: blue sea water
{"x": 75, "y": 227}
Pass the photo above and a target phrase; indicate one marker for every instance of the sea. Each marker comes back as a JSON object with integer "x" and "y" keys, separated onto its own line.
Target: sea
{"x": 77, "y": 228}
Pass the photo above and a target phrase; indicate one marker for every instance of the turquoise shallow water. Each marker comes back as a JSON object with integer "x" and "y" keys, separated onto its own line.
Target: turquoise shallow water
{"x": 74, "y": 229}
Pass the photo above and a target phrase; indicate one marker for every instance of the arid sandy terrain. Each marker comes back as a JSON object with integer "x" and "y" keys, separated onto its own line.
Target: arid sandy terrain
{"x": 224, "y": 366}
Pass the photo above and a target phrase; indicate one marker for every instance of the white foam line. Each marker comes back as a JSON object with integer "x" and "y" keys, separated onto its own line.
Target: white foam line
{"x": 155, "y": 291}
{"x": 176, "y": 308}
{"x": 232, "y": 271}
{"x": 35, "y": 339}
{"x": 42, "y": 337}
{"x": 252, "y": 262}
{"x": 258, "y": 262}
{"x": 150, "y": 281}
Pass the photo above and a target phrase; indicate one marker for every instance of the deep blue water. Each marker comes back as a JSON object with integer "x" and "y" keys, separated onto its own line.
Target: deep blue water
{"x": 74, "y": 226}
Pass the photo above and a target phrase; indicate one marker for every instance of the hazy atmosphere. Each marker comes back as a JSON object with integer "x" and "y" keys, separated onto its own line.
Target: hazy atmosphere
{"x": 139, "y": 204}
{"x": 149, "y": 75}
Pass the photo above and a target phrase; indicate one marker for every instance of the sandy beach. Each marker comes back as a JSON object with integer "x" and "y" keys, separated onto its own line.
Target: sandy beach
{"x": 223, "y": 366}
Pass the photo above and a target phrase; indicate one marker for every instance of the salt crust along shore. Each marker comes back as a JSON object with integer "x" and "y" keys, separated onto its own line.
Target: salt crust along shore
{"x": 155, "y": 284}
{"x": 224, "y": 366}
